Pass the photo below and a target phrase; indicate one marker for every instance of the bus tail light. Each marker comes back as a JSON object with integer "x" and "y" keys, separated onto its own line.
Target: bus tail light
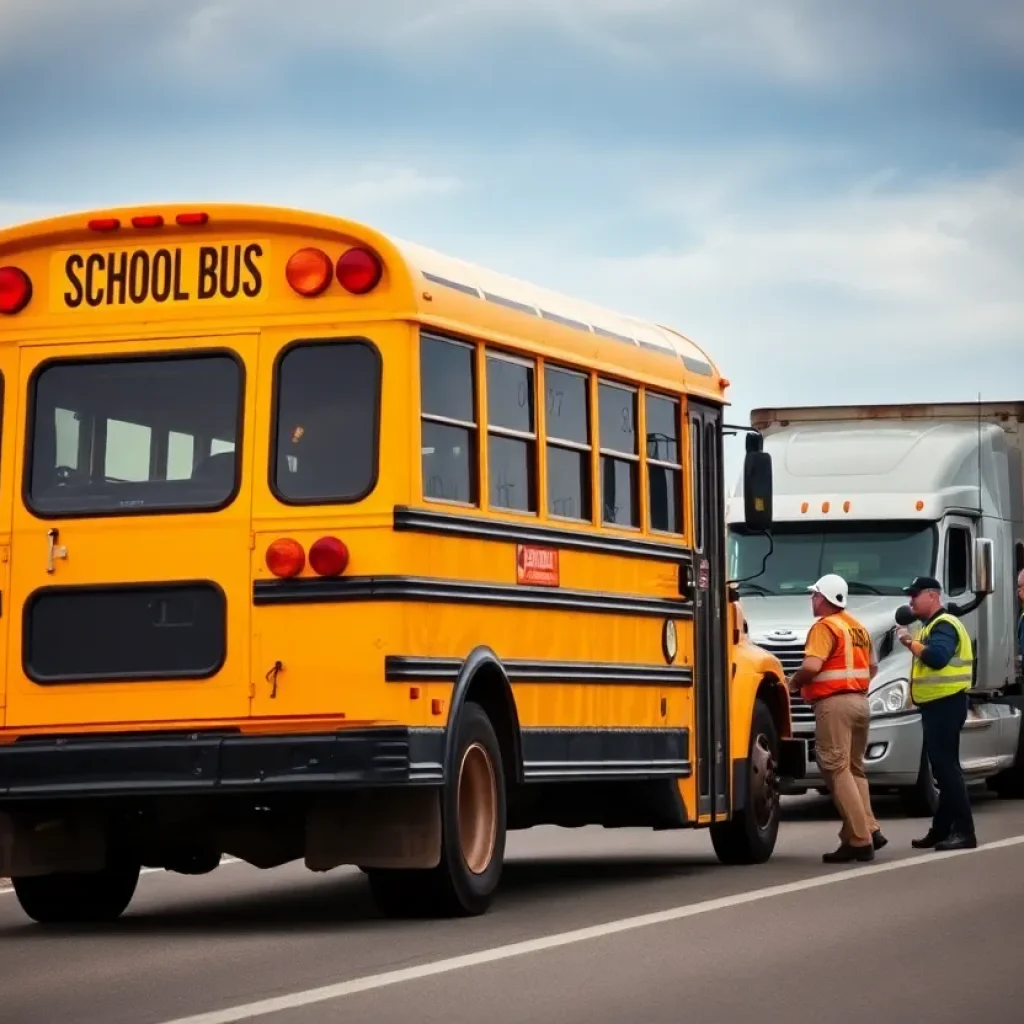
{"x": 285, "y": 558}
{"x": 359, "y": 271}
{"x": 15, "y": 290}
{"x": 309, "y": 271}
{"x": 328, "y": 557}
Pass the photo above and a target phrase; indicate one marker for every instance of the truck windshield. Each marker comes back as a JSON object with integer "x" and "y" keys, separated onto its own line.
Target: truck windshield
{"x": 880, "y": 558}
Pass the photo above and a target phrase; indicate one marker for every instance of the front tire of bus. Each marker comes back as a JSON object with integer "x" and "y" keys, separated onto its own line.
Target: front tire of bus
{"x": 95, "y": 897}
{"x": 749, "y": 836}
{"x": 473, "y": 822}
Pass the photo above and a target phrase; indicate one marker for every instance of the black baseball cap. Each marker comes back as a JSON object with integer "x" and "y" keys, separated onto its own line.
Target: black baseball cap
{"x": 922, "y": 583}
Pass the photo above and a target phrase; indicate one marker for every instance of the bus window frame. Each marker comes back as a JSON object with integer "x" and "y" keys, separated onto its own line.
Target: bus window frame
{"x": 636, "y": 458}
{"x": 164, "y": 355}
{"x": 585, "y": 451}
{"x": 275, "y": 414}
{"x": 678, "y": 400}
{"x": 531, "y": 439}
{"x": 475, "y": 430}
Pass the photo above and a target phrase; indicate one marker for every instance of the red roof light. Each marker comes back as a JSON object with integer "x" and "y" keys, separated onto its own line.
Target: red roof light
{"x": 150, "y": 220}
{"x": 104, "y": 224}
{"x": 359, "y": 271}
{"x": 15, "y": 290}
{"x": 308, "y": 271}
{"x": 192, "y": 220}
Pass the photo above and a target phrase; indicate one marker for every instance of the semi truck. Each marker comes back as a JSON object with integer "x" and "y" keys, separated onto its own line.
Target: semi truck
{"x": 881, "y": 494}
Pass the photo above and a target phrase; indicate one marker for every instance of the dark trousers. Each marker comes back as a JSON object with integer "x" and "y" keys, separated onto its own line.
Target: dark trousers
{"x": 942, "y": 721}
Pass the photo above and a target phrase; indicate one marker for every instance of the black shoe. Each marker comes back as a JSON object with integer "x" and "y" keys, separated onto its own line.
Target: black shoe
{"x": 845, "y": 854}
{"x": 878, "y": 840}
{"x": 929, "y": 842}
{"x": 958, "y": 842}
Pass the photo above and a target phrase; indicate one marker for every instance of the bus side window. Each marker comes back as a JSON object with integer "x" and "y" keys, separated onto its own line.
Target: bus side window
{"x": 620, "y": 456}
{"x": 449, "y": 432}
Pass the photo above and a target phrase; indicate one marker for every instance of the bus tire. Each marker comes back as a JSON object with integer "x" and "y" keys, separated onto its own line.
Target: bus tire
{"x": 749, "y": 836}
{"x": 473, "y": 823}
{"x": 95, "y": 897}
{"x": 922, "y": 799}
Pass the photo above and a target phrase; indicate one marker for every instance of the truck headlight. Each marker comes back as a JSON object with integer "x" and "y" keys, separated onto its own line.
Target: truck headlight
{"x": 890, "y": 699}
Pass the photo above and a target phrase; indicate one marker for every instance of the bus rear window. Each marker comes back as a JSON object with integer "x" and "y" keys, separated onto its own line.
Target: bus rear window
{"x": 136, "y": 435}
{"x": 327, "y": 422}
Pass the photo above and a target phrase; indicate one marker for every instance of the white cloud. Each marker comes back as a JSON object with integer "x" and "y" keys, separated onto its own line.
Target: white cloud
{"x": 814, "y": 41}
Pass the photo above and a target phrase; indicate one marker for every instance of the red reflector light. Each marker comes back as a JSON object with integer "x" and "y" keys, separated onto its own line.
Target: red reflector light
{"x": 15, "y": 290}
{"x": 328, "y": 557}
{"x": 285, "y": 558}
{"x": 191, "y": 220}
{"x": 309, "y": 271}
{"x": 359, "y": 271}
{"x": 150, "y": 220}
{"x": 104, "y": 224}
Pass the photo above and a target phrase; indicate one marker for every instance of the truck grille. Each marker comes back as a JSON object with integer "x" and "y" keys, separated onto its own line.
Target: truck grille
{"x": 792, "y": 656}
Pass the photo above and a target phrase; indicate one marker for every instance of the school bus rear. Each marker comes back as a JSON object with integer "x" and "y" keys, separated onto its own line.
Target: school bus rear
{"x": 192, "y": 403}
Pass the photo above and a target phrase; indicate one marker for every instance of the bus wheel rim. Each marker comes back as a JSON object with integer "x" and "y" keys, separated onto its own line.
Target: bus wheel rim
{"x": 478, "y": 808}
{"x": 764, "y": 782}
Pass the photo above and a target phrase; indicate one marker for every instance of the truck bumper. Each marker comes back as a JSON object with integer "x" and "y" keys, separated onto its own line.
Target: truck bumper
{"x": 217, "y": 762}
{"x": 893, "y": 755}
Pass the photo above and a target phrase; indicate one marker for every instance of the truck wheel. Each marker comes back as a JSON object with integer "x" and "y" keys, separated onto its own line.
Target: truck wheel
{"x": 922, "y": 799}
{"x": 749, "y": 836}
{"x": 89, "y": 898}
{"x": 473, "y": 820}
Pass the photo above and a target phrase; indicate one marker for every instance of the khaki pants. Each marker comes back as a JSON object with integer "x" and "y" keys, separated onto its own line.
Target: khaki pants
{"x": 840, "y": 738}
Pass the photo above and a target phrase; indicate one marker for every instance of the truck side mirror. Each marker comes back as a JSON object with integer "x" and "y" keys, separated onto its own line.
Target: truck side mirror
{"x": 984, "y": 566}
{"x": 757, "y": 486}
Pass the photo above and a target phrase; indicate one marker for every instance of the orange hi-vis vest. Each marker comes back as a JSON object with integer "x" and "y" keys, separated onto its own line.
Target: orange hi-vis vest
{"x": 848, "y": 668}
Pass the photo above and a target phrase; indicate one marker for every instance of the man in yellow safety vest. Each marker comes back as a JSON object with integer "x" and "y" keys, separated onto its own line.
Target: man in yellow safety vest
{"x": 941, "y": 675}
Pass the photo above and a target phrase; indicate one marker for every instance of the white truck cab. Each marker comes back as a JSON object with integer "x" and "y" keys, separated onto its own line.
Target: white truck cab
{"x": 881, "y": 494}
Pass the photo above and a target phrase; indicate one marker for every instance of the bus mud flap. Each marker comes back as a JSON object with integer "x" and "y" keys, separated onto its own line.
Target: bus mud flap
{"x": 399, "y": 828}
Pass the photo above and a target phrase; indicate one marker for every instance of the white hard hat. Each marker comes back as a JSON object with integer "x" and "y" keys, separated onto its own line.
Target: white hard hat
{"x": 833, "y": 588}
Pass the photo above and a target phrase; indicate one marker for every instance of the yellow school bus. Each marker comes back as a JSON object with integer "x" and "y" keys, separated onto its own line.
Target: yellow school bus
{"x": 321, "y": 546}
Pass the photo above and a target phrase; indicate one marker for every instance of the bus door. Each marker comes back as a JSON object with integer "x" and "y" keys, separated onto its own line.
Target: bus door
{"x": 129, "y": 587}
{"x": 8, "y": 418}
{"x": 712, "y": 705}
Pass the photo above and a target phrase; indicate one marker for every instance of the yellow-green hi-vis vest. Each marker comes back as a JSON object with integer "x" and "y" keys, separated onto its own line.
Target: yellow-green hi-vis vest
{"x": 931, "y": 683}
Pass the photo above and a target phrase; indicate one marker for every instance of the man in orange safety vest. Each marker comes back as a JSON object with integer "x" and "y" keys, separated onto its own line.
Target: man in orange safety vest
{"x": 839, "y": 664}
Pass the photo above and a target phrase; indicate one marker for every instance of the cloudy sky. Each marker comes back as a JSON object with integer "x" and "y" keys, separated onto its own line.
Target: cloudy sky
{"x": 828, "y": 196}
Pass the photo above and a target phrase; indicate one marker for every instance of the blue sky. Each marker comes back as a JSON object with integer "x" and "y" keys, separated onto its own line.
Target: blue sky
{"x": 829, "y": 197}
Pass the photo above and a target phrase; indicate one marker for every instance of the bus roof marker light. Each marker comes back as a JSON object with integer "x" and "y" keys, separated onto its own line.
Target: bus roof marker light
{"x": 15, "y": 290}
{"x": 192, "y": 220}
{"x": 104, "y": 224}
{"x": 285, "y": 558}
{"x": 309, "y": 271}
{"x": 149, "y": 220}
{"x": 359, "y": 271}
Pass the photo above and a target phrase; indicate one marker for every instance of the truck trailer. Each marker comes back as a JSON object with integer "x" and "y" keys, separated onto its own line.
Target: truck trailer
{"x": 881, "y": 494}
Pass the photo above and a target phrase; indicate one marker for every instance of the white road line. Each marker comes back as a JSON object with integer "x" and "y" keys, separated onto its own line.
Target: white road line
{"x": 224, "y": 862}
{"x": 247, "y": 1011}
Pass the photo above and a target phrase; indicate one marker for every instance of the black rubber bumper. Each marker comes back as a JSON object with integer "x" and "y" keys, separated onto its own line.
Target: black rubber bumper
{"x": 144, "y": 764}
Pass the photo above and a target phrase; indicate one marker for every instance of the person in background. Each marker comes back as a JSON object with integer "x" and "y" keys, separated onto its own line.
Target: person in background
{"x": 1020, "y": 625}
{"x": 941, "y": 675}
{"x": 839, "y": 664}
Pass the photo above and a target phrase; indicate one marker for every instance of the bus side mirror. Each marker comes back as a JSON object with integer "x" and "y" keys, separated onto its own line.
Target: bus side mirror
{"x": 984, "y": 566}
{"x": 757, "y": 486}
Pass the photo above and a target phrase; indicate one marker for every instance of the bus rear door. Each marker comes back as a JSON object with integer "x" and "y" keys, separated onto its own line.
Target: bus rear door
{"x": 131, "y": 534}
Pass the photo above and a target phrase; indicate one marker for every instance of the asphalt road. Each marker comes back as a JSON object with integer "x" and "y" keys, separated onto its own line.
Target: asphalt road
{"x": 937, "y": 939}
